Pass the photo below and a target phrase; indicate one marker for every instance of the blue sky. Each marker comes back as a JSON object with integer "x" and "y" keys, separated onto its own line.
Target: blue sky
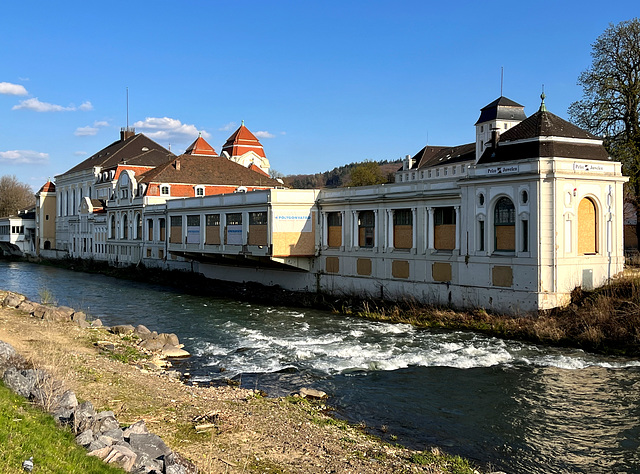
{"x": 321, "y": 83}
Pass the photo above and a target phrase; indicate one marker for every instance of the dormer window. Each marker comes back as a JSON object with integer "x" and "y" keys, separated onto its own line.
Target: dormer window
{"x": 165, "y": 190}
{"x": 199, "y": 191}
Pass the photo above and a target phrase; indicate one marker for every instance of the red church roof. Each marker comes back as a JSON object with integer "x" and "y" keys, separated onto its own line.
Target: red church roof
{"x": 243, "y": 141}
{"x": 200, "y": 147}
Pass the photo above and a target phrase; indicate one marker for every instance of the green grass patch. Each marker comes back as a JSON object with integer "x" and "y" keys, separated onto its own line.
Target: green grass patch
{"x": 445, "y": 462}
{"x": 25, "y": 431}
{"x": 126, "y": 354}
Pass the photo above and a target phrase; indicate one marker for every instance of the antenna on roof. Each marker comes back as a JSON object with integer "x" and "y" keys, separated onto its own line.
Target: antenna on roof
{"x": 127, "y": 108}
{"x": 501, "y": 79}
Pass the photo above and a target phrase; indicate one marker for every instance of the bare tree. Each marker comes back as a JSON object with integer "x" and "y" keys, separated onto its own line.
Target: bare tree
{"x": 14, "y": 196}
{"x": 611, "y": 102}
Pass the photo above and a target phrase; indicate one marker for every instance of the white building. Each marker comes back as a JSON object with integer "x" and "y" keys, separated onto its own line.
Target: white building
{"x": 515, "y": 229}
{"x": 512, "y": 222}
{"x": 18, "y": 234}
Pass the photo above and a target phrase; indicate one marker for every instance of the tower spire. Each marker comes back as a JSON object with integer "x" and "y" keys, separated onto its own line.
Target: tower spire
{"x": 543, "y": 107}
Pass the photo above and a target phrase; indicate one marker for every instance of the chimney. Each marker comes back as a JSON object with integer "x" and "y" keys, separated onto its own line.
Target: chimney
{"x": 126, "y": 132}
{"x": 495, "y": 136}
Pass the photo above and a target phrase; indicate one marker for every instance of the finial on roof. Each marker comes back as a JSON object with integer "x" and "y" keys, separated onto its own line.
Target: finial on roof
{"x": 543, "y": 108}
{"x": 199, "y": 134}
{"x": 243, "y": 123}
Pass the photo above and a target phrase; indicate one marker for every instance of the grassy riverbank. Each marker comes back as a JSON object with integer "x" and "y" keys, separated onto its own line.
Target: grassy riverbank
{"x": 605, "y": 320}
{"x": 242, "y": 432}
{"x": 27, "y": 432}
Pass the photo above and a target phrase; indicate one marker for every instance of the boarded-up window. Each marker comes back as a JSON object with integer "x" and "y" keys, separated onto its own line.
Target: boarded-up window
{"x": 257, "y": 228}
{"x": 441, "y": 271}
{"x": 400, "y": 269}
{"x": 505, "y": 225}
{"x": 587, "y": 227}
{"x": 444, "y": 232}
{"x": 502, "y": 276}
{"x": 213, "y": 229}
{"x": 403, "y": 229}
{"x": 364, "y": 266}
{"x": 163, "y": 230}
{"x": 334, "y": 229}
{"x": 366, "y": 228}
{"x": 332, "y": 265}
{"x": 175, "y": 235}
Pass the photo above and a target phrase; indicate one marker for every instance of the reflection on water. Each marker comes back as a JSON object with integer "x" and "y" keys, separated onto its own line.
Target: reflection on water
{"x": 522, "y": 407}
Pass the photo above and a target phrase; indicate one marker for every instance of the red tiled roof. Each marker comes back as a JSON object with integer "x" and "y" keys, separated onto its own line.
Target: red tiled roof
{"x": 257, "y": 169}
{"x": 48, "y": 187}
{"x": 243, "y": 141}
{"x": 200, "y": 147}
{"x": 206, "y": 170}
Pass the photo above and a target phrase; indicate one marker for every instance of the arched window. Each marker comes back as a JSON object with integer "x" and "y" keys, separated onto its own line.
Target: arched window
{"x": 587, "y": 227}
{"x": 504, "y": 223}
{"x": 112, "y": 228}
{"x": 125, "y": 227}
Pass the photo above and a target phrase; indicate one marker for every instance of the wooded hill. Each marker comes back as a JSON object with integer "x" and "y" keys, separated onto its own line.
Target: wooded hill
{"x": 338, "y": 176}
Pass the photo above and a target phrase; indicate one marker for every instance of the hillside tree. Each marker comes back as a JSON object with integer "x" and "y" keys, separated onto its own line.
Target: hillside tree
{"x": 366, "y": 174}
{"x": 610, "y": 106}
{"x": 14, "y": 196}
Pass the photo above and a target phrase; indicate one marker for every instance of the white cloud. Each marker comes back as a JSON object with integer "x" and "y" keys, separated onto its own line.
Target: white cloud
{"x": 80, "y": 153}
{"x": 165, "y": 128}
{"x": 264, "y": 134}
{"x": 12, "y": 89}
{"x": 36, "y": 105}
{"x": 23, "y": 157}
{"x": 90, "y": 130}
{"x": 228, "y": 127}
{"x": 86, "y": 131}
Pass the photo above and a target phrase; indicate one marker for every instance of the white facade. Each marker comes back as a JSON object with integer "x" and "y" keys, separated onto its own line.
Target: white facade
{"x": 512, "y": 223}
{"x": 18, "y": 234}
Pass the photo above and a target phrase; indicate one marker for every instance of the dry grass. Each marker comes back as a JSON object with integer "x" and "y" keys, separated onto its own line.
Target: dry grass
{"x": 605, "y": 320}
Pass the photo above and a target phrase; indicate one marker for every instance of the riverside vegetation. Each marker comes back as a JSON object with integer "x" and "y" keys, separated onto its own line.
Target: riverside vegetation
{"x": 220, "y": 429}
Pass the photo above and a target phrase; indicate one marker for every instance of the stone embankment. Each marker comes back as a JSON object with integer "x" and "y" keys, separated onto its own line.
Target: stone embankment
{"x": 132, "y": 448}
{"x": 159, "y": 346}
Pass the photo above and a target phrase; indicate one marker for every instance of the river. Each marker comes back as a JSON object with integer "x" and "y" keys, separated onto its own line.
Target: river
{"x": 518, "y": 407}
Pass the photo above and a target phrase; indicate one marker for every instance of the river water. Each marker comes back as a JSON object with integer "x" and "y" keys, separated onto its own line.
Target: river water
{"x": 519, "y": 407}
